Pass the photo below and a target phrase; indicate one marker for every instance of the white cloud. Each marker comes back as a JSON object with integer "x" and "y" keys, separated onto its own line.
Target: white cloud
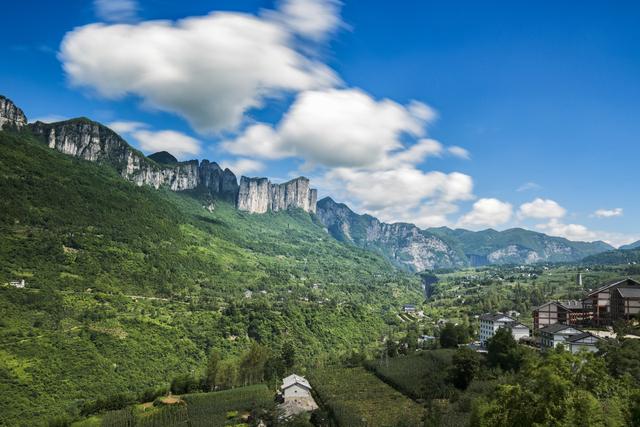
{"x": 116, "y": 10}
{"x": 459, "y": 152}
{"x": 243, "y": 166}
{"x": 340, "y": 128}
{"x": 529, "y": 186}
{"x": 569, "y": 231}
{"x": 487, "y": 213}
{"x": 176, "y": 143}
{"x": 125, "y": 127}
{"x": 608, "y": 213}
{"x": 578, "y": 232}
{"x": 540, "y": 209}
{"x": 314, "y": 19}
{"x": 209, "y": 70}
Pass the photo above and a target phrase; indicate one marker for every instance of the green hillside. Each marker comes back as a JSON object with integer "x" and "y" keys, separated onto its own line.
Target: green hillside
{"x": 617, "y": 257}
{"x": 128, "y": 287}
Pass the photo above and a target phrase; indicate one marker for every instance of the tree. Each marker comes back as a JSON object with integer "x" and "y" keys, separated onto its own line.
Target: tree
{"x": 451, "y": 335}
{"x": 466, "y": 364}
{"x": 288, "y": 355}
{"x": 213, "y": 365}
{"x": 503, "y": 351}
{"x": 253, "y": 363}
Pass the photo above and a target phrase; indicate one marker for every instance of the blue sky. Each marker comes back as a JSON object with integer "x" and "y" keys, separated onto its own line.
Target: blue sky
{"x": 470, "y": 114}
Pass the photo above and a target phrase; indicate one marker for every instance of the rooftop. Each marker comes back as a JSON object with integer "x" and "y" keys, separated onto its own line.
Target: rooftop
{"x": 615, "y": 282}
{"x": 295, "y": 379}
{"x": 495, "y": 317}
{"x": 577, "y": 337}
{"x": 629, "y": 292}
{"x": 557, "y": 327}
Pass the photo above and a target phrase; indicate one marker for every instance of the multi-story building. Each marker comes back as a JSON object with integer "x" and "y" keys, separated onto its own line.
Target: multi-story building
{"x": 490, "y": 323}
{"x": 599, "y": 301}
{"x": 570, "y": 312}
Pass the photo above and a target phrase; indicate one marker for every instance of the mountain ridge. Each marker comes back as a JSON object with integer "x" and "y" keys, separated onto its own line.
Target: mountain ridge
{"x": 89, "y": 140}
{"x": 410, "y": 247}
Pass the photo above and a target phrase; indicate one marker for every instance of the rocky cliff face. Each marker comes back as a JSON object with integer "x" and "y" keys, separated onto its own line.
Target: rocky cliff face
{"x": 92, "y": 141}
{"x": 10, "y": 114}
{"x": 403, "y": 244}
{"x": 259, "y": 195}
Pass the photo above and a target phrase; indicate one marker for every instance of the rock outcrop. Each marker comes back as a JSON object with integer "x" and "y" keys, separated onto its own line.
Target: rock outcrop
{"x": 92, "y": 141}
{"x": 10, "y": 114}
{"x": 405, "y": 245}
{"x": 259, "y": 195}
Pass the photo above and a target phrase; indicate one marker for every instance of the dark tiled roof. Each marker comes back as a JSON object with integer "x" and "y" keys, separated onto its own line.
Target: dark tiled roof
{"x": 629, "y": 292}
{"x": 572, "y": 305}
{"x": 494, "y": 317}
{"x": 611, "y": 283}
{"x": 577, "y": 337}
{"x": 557, "y": 327}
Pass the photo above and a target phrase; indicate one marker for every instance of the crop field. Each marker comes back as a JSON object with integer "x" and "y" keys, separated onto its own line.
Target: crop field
{"x": 419, "y": 375}
{"x": 356, "y": 397}
{"x": 222, "y": 408}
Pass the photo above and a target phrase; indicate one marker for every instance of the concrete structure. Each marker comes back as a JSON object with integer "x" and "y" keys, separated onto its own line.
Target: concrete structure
{"x": 582, "y": 342}
{"x": 490, "y": 323}
{"x": 554, "y": 335}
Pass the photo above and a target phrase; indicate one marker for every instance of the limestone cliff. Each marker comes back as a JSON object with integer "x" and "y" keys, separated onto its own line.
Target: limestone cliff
{"x": 92, "y": 141}
{"x": 259, "y": 195}
{"x": 10, "y": 114}
{"x": 403, "y": 244}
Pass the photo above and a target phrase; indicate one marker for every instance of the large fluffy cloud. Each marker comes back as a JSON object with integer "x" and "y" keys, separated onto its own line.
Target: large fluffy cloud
{"x": 541, "y": 208}
{"x": 365, "y": 151}
{"x": 488, "y": 212}
{"x": 210, "y": 70}
{"x": 340, "y": 128}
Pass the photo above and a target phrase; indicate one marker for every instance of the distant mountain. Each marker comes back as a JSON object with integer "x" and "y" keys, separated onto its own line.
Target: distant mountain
{"x": 635, "y": 245}
{"x": 616, "y": 257}
{"x": 415, "y": 249}
{"x": 405, "y": 245}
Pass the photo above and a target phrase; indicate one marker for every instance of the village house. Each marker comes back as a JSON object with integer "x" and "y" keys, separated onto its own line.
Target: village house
{"x": 600, "y": 301}
{"x": 20, "y": 284}
{"x": 584, "y": 341}
{"x": 565, "y": 312}
{"x": 553, "y": 335}
{"x": 490, "y": 323}
{"x": 296, "y": 396}
{"x": 409, "y": 308}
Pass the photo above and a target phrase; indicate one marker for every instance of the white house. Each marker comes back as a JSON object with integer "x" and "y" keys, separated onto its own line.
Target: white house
{"x": 296, "y": 393}
{"x": 490, "y": 323}
{"x": 583, "y": 341}
{"x": 20, "y": 284}
{"x": 295, "y": 387}
{"x": 518, "y": 330}
{"x": 556, "y": 334}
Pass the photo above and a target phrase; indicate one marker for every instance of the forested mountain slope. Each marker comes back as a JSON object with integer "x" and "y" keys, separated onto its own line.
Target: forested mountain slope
{"x": 129, "y": 286}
